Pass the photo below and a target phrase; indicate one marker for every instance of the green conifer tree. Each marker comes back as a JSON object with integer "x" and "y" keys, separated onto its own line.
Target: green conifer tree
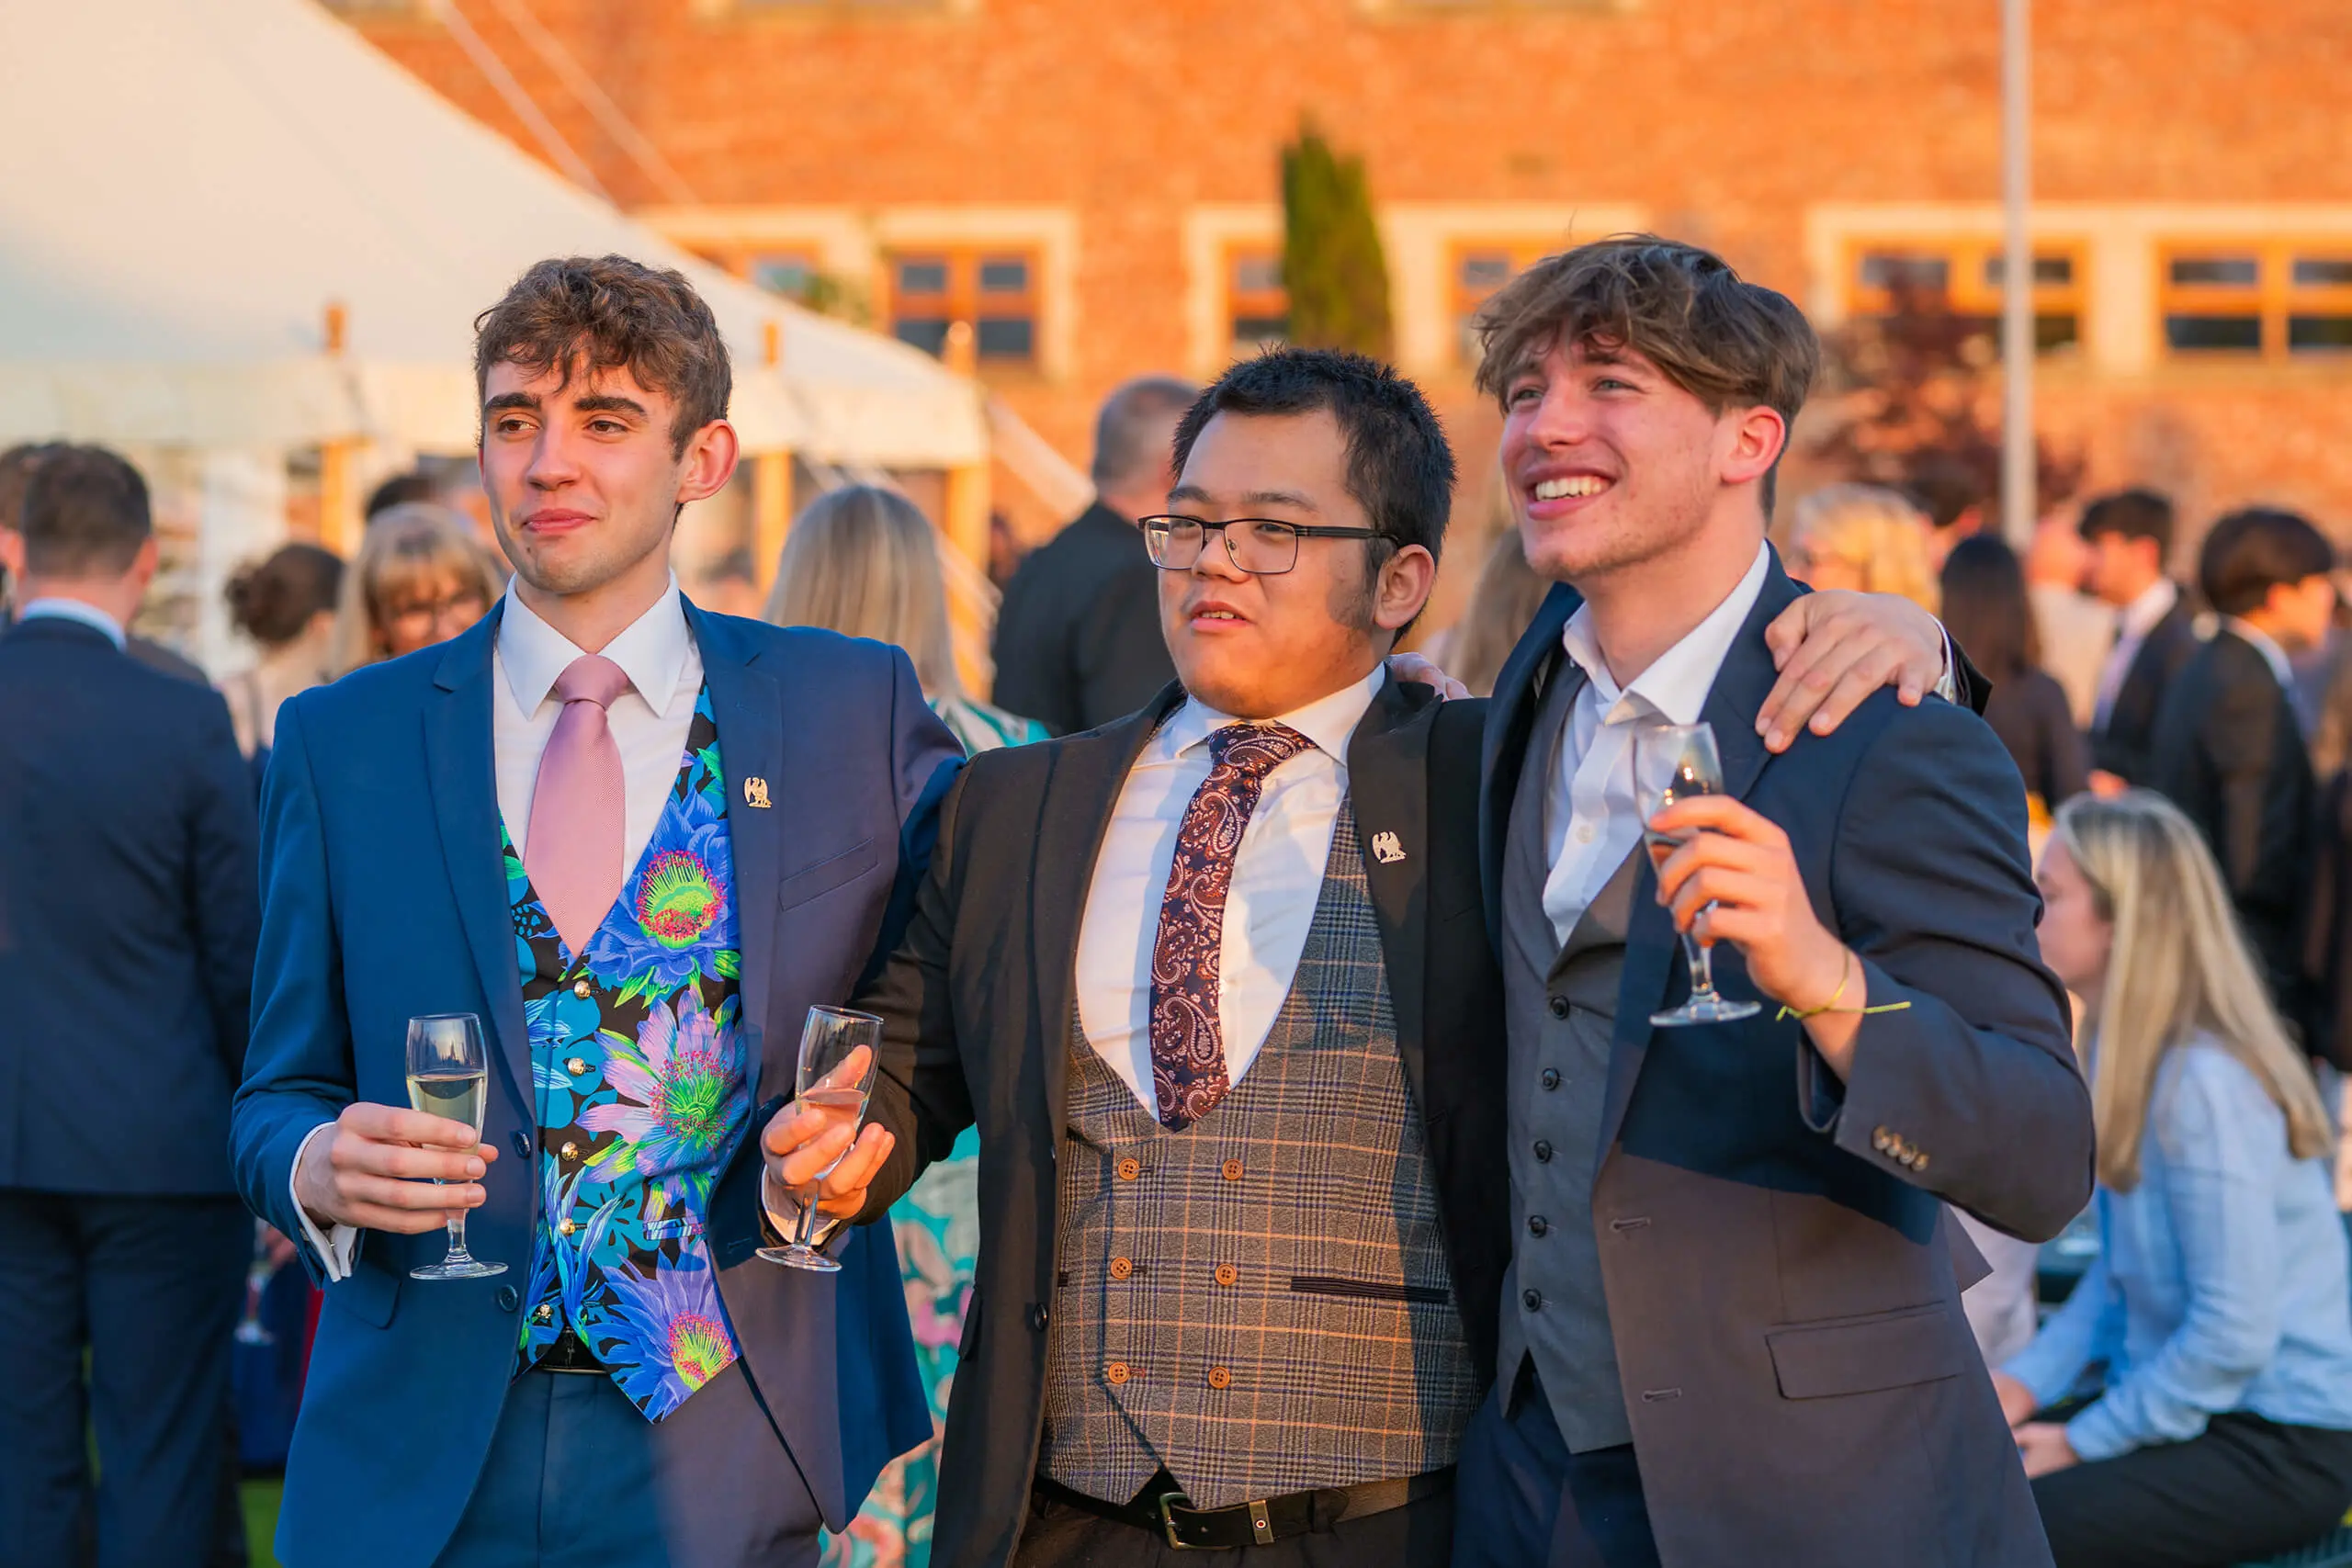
{"x": 1332, "y": 264}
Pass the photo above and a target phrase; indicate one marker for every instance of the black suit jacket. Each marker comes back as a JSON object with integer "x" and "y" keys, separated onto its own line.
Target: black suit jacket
{"x": 979, "y": 999}
{"x": 1777, "y": 1265}
{"x": 1077, "y": 640}
{"x": 2124, "y": 746}
{"x": 2227, "y": 751}
{"x": 128, "y": 916}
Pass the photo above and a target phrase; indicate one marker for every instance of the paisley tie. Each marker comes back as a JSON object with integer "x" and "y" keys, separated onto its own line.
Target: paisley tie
{"x": 1187, "y": 1042}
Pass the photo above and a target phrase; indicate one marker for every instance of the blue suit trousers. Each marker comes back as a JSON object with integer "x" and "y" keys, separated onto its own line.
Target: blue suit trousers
{"x": 1522, "y": 1499}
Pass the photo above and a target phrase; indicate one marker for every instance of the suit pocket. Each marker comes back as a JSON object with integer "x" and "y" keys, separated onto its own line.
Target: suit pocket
{"x": 1369, "y": 1290}
{"x": 833, "y": 871}
{"x": 1863, "y": 1355}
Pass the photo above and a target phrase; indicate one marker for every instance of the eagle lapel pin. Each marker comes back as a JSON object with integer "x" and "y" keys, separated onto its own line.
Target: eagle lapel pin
{"x": 1385, "y": 849}
{"x": 755, "y": 794}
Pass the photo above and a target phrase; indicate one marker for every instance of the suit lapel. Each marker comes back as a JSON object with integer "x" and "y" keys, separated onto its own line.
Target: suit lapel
{"x": 1510, "y": 719}
{"x": 1089, "y": 771}
{"x": 464, "y": 782}
{"x": 747, "y": 706}
{"x": 1389, "y": 786}
{"x": 1652, "y": 946}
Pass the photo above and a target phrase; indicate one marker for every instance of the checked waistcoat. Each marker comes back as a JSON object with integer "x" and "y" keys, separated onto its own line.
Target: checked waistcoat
{"x": 638, "y": 1071}
{"x": 1259, "y": 1303}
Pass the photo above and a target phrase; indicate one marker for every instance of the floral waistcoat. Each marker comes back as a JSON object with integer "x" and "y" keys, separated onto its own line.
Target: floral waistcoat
{"x": 637, "y": 1068}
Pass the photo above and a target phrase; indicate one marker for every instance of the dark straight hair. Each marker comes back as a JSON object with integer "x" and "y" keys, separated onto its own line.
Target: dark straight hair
{"x": 1987, "y": 609}
{"x": 2253, "y": 550}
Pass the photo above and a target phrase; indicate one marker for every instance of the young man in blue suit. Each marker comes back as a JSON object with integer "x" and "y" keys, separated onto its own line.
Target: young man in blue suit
{"x": 1732, "y": 1332}
{"x": 639, "y": 842}
{"x": 127, "y": 920}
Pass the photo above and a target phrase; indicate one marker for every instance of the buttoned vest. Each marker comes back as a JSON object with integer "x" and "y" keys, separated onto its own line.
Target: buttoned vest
{"x": 638, "y": 1070}
{"x": 1559, "y": 1008}
{"x": 1261, "y": 1302}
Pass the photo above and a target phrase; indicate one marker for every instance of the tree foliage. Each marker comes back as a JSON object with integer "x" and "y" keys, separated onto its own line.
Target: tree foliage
{"x": 1332, "y": 264}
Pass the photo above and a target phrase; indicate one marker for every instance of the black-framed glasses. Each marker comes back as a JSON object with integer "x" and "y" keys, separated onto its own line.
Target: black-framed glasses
{"x": 1263, "y": 546}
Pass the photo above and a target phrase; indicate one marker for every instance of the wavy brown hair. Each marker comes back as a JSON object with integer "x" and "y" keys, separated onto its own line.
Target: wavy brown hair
{"x": 580, "y": 315}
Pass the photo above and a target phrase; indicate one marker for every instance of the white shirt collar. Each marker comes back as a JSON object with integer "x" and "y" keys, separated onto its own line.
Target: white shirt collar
{"x": 2272, "y": 654}
{"x": 2156, "y": 602}
{"x": 75, "y": 610}
{"x": 1677, "y": 683}
{"x": 652, "y": 651}
{"x": 1330, "y": 722}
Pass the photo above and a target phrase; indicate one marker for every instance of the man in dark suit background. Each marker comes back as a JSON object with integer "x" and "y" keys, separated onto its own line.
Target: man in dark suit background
{"x": 2226, "y": 749}
{"x": 1077, "y": 638}
{"x": 1733, "y": 1331}
{"x": 17, "y": 466}
{"x": 128, "y": 917}
{"x": 2130, "y": 536}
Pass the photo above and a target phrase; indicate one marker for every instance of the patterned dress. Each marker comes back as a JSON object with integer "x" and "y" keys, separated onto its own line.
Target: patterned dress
{"x": 938, "y": 1229}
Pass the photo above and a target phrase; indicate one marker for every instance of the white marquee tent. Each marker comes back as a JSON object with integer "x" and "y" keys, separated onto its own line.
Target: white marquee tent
{"x": 187, "y": 186}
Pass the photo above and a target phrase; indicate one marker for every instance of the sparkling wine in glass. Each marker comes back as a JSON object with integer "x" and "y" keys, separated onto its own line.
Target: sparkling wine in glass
{"x": 835, "y": 1080}
{"x": 251, "y": 1330}
{"x": 448, "y": 1075}
{"x": 1673, "y": 762}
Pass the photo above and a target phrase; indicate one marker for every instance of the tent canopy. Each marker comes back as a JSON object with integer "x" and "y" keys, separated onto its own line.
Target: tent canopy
{"x": 185, "y": 186}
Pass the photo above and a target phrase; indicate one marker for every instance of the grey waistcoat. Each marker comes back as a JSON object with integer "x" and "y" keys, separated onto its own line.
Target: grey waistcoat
{"x": 1560, "y": 1005}
{"x": 1261, "y": 1302}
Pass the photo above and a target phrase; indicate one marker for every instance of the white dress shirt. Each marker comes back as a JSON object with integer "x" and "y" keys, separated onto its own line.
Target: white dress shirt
{"x": 649, "y": 722}
{"x": 77, "y": 611}
{"x": 1592, "y": 815}
{"x": 1277, "y": 881}
{"x": 2131, "y": 628}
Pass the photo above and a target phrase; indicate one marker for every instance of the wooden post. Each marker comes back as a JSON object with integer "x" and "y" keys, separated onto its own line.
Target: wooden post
{"x": 966, "y": 505}
{"x": 339, "y": 519}
{"x": 771, "y": 485}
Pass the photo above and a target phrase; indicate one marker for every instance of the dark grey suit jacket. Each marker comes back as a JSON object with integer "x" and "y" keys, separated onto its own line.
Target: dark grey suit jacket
{"x": 2124, "y": 746}
{"x": 977, "y": 1003}
{"x": 1802, "y": 1385}
{"x": 1077, "y": 640}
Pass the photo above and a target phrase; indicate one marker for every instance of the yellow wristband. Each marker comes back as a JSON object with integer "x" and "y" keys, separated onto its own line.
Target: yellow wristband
{"x": 1845, "y": 978}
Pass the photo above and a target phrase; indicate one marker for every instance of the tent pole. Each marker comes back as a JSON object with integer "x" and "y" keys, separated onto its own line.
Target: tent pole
{"x": 771, "y": 486}
{"x": 965, "y": 510}
{"x": 338, "y": 497}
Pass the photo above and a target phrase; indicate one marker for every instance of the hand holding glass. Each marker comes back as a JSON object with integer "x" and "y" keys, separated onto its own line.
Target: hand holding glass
{"x": 832, "y": 1082}
{"x": 447, "y": 1076}
{"x": 1673, "y": 762}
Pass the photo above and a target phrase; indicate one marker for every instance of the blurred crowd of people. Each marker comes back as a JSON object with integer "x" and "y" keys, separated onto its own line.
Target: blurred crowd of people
{"x": 2183, "y": 746}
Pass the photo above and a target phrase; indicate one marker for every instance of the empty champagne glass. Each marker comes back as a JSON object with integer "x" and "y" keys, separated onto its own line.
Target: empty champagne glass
{"x": 828, "y": 1081}
{"x": 1672, "y": 762}
{"x": 448, "y": 1075}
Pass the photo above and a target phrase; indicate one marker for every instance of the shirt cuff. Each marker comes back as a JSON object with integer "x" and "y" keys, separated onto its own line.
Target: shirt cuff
{"x": 784, "y": 1215}
{"x": 1948, "y": 683}
{"x": 2096, "y": 1435}
{"x": 334, "y": 1246}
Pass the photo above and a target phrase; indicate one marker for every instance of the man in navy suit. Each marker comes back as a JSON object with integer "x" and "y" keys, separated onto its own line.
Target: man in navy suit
{"x": 1731, "y": 1331}
{"x": 127, "y": 925}
{"x": 639, "y": 842}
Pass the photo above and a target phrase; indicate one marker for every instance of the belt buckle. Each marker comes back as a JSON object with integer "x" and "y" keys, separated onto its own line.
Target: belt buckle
{"x": 1167, "y": 1502}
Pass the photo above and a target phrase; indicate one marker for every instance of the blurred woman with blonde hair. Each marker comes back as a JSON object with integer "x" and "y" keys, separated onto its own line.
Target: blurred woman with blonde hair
{"x": 1864, "y": 538}
{"x": 863, "y": 560}
{"x": 421, "y": 577}
{"x": 2219, "y": 1301}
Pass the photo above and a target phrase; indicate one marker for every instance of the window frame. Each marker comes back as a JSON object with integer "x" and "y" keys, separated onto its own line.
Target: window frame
{"x": 1968, "y": 292}
{"x": 1237, "y": 304}
{"x": 1462, "y": 302}
{"x": 2272, "y": 301}
{"x": 963, "y": 298}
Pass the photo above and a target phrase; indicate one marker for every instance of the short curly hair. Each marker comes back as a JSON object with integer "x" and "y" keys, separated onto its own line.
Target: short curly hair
{"x": 582, "y": 315}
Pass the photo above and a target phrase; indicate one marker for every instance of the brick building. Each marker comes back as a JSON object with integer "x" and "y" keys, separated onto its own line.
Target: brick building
{"x": 1094, "y": 185}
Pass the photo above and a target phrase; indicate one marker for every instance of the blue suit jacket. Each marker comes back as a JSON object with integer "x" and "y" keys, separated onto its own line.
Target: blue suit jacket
{"x": 1778, "y": 1266}
{"x": 384, "y": 898}
{"x": 126, "y": 919}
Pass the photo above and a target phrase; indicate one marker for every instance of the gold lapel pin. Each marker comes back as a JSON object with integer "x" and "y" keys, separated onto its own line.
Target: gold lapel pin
{"x": 1385, "y": 849}
{"x": 755, "y": 794}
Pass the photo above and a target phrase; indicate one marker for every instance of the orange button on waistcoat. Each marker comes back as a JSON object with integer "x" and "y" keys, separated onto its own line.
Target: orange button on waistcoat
{"x": 1233, "y": 1171}
{"x": 1116, "y": 1371}
{"x": 1226, "y": 1273}
{"x": 1121, "y": 1268}
{"x": 1130, "y": 1168}
{"x": 1219, "y": 1377}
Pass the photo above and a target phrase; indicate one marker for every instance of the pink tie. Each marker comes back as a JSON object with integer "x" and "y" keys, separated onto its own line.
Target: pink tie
{"x": 578, "y": 804}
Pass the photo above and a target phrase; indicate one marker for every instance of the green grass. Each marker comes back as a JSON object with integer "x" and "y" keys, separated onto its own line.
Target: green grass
{"x": 261, "y": 1519}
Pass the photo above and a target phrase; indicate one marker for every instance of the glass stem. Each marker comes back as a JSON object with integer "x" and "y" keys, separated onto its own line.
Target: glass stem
{"x": 807, "y": 1226}
{"x": 455, "y": 1221}
{"x": 1702, "y": 959}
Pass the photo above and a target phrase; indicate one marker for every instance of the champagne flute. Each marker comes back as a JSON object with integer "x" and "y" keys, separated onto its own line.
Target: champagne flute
{"x": 828, "y": 1082}
{"x": 251, "y": 1330}
{"x": 448, "y": 1075}
{"x": 1671, "y": 763}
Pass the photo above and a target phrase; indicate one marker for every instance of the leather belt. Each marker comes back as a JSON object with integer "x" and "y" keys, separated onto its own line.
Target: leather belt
{"x": 570, "y": 1353}
{"x": 1258, "y": 1522}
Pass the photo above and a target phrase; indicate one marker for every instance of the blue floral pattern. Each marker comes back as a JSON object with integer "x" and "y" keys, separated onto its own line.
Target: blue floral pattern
{"x": 638, "y": 1068}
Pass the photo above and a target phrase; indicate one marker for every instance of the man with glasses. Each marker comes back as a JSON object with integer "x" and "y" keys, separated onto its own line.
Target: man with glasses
{"x": 1214, "y": 983}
